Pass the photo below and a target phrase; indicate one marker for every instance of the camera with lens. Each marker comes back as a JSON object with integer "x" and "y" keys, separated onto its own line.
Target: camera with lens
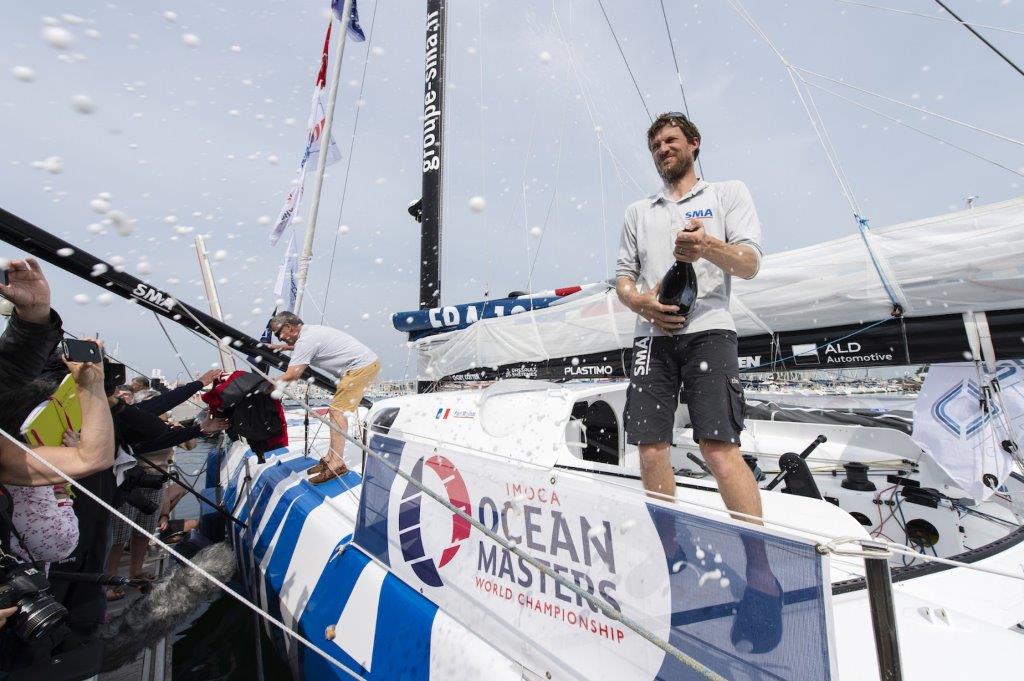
{"x": 25, "y": 586}
{"x": 113, "y": 375}
{"x": 136, "y": 481}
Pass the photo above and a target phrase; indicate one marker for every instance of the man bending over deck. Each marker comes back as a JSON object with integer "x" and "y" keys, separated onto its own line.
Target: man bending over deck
{"x": 338, "y": 354}
{"x": 712, "y": 225}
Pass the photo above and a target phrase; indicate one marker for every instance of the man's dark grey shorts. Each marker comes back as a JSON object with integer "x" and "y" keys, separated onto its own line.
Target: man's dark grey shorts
{"x": 705, "y": 364}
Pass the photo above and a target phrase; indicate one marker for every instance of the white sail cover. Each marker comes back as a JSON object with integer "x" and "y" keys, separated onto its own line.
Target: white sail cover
{"x": 971, "y": 260}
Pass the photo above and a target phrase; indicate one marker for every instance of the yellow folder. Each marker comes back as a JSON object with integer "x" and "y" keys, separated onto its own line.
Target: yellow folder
{"x": 46, "y": 423}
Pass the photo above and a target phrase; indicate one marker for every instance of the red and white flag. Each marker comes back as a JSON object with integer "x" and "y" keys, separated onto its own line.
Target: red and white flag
{"x": 315, "y": 127}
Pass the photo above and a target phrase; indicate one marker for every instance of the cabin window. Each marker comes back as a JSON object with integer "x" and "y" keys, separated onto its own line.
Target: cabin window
{"x": 602, "y": 432}
{"x": 383, "y": 421}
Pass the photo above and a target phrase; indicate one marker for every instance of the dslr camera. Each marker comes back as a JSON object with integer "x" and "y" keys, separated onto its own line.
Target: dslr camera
{"x": 25, "y": 586}
{"x": 136, "y": 480}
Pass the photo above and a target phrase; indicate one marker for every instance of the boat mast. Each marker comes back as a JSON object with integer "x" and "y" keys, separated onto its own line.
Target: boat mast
{"x": 321, "y": 160}
{"x": 433, "y": 156}
{"x": 227, "y": 362}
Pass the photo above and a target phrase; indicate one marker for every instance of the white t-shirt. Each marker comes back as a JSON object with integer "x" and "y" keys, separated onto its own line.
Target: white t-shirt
{"x": 330, "y": 350}
{"x": 648, "y": 239}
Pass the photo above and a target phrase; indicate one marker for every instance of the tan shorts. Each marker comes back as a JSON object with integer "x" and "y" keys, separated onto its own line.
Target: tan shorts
{"x": 352, "y": 386}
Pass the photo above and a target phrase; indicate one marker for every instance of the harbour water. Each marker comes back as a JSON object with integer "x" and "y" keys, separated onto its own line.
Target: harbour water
{"x": 191, "y": 465}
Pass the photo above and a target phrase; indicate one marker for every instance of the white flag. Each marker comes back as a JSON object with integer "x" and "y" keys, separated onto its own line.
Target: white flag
{"x": 318, "y": 120}
{"x": 287, "y": 283}
{"x": 291, "y": 205}
{"x": 963, "y": 438}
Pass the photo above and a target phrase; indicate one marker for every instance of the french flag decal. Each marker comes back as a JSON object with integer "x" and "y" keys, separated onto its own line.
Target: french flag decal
{"x": 442, "y": 413}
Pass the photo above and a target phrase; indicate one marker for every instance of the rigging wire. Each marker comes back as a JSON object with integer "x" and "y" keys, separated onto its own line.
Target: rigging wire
{"x": 930, "y": 16}
{"x": 918, "y": 130}
{"x": 585, "y": 95}
{"x": 604, "y": 212}
{"x": 173, "y": 347}
{"x": 525, "y": 186}
{"x": 348, "y": 161}
{"x": 919, "y": 109}
{"x": 679, "y": 74}
{"x": 979, "y": 36}
{"x": 833, "y": 161}
{"x": 892, "y": 288}
{"x": 830, "y": 147}
{"x": 108, "y": 354}
{"x": 554, "y": 191}
{"x": 624, "y": 60}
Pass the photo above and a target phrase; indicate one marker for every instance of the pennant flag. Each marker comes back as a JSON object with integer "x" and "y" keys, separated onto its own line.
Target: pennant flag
{"x": 267, "y": 337}
{"x": 354, "y": 30}
{"x": 291, "y": 204}
{"x": 287, "y": 284}
{"x": 316, "y": 129}
{"x": 315, "y": 126}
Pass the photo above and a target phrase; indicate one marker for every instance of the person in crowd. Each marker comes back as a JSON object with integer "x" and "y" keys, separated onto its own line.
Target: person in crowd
{"x": 45, "y": 521}
{"x": 34, "y": 329}
{"x": 337, "y": 354}
{"x": 123, "y": 533}
{"x": 714, "y": 226}
{"x": 154, "y": 412}
{"x": 95, "y": 449}
{"x": 141, "y": 431}
{"x": 141, "y": 428}
{"x": 124, "y": 393}
{"x": 170, "y": 529}
{"x": 143, "y": 389}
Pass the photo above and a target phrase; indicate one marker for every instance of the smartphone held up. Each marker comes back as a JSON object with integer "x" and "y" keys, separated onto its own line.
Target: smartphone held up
{"x": 80, "y": 350}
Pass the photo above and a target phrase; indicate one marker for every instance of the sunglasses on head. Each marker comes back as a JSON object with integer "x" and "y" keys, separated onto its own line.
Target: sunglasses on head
{"x": 675, "y": 114}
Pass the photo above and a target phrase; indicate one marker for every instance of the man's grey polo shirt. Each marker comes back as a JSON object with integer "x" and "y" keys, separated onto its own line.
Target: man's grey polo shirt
{"x": 648, "y": 240}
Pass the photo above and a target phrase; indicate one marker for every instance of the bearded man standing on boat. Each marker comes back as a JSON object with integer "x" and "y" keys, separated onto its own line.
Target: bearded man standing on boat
{"x": 714, "y": 226}
{"x": 338, "y": 354}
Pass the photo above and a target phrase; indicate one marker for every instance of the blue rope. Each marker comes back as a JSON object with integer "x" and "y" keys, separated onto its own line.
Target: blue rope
{"x": 862, "y": 224}
{"x": 828, "y": 342}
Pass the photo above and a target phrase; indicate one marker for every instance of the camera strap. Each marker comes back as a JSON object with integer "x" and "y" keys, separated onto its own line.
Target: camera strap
{"x": 6, "y": 514}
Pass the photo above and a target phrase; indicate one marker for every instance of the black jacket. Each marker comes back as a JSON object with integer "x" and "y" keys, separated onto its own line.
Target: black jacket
{"x": 144, "y": 432}
{"x": 24, "y": 348}
{"x": 158, "y": 404}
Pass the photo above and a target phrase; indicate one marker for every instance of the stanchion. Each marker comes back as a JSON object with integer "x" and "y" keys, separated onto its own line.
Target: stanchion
{"x": 883, "y": 613}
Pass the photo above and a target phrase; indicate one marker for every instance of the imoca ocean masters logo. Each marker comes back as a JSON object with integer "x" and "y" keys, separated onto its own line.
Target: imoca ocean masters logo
{"x": 409, "y": 516}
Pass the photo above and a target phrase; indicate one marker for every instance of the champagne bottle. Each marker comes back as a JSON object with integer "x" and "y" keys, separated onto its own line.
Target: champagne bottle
{"x": 679, "y": 287}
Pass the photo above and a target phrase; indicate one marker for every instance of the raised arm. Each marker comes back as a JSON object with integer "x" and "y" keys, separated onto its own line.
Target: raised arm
{"x": 33, "y": 330}
{"x": 95, "y": 449}
{"x": 158, "y": 404}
